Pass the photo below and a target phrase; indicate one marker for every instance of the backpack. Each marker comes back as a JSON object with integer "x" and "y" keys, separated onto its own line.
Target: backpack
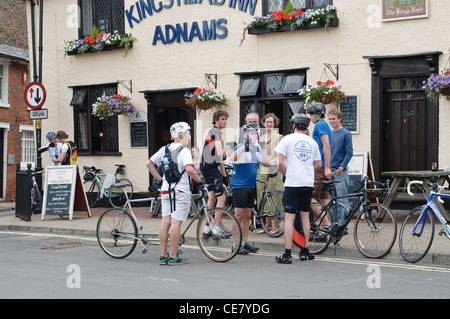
{"x": 171, "y": 172}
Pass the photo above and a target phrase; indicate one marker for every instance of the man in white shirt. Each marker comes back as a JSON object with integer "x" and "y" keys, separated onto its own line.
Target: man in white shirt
{"x": 53, "y": 147}
{"x": 299, "y": 155}
{"x": 173, "y": 214}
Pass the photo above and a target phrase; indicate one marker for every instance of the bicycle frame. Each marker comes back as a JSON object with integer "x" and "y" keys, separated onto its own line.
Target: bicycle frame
{"x": 423, "y": 215}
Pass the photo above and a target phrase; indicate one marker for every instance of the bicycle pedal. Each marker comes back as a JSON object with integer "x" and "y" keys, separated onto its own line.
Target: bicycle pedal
{"x": 441, "y": 232}
{"x": 144, "y": 251}
{"x": 141, "y": 227}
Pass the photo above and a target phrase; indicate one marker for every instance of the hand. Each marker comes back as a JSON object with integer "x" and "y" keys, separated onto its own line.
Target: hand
{"x": 328, "y": 173}
{"x": 226, "y": 180}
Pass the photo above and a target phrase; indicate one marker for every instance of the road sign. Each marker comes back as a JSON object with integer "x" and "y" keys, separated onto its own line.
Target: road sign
{"x": 35, "y": 95}
{"x": 41, "y": 114}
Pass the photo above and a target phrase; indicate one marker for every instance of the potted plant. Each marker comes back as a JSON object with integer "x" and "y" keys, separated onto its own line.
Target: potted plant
{"x": 111, "y": 105}
{"x": 97, "y": 41}
{"x": 324, "y": 92}
{"x": 437, "y": 85}
{"x": 205, "y": 99}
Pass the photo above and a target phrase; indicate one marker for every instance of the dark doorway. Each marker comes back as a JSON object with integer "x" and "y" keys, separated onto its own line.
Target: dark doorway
{"x": 404, "y": 123}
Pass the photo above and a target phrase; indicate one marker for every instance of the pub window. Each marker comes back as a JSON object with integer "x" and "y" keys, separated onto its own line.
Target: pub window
{"x": 92, "y": 135}
{"x": 106, "y": 15}
{"x": 27, "y": 145}
{"x": 272, "y": 92}
{"x": 270, "y": 6}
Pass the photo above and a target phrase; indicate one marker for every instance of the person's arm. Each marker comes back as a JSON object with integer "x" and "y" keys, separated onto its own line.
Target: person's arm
{"x": 152, "y": 169}
{"x": 61, "y": 157}
{"x": 282, "y": 164}
{"x": 326, "y": 154}
{"x": 45, "y": 147}
{"x": 192, "y": 173}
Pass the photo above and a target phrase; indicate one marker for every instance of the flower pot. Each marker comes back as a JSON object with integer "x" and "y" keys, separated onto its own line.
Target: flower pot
{"x": 205, "y": 105}
{"x": 445, "y": 91}
{"x": 326, "y": 99}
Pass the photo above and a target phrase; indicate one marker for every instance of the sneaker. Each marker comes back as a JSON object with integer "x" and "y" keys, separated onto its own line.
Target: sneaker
{"x": 207, "y": 235}
{"x": 241, "y": 251}
{"x": 276, "y": 230}
{"x": 163, "y": 260}
{"x": 305, "y": 254}
{"x": 250, "y": 247}
{"x": 177, "y": 261}
{"x": 283, "y": 259}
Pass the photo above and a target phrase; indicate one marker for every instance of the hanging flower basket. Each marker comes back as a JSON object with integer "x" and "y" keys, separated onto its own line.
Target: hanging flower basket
{"x": 437, "y": 85}
{"x": 205, "y": 99}
{"x": 324, "y": 92}
{"x": 111, "y": 105}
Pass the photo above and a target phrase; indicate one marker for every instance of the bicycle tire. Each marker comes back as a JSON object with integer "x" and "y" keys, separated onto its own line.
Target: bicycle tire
{"x": 116, "y": 195}
{"x": 92, "y": 191}
{"x": 375, "y": 231}
{"x": 220, "y": 248}
{"x": 319, "y": 237}
{"x": 117, "y": 233}
{"x": 274, "y": 205}
{"x": 414, "y": 247}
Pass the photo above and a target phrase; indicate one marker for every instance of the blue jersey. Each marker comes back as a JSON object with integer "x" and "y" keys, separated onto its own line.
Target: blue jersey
{"x": 321, "y": 128}
{"x": 245, "y": 168}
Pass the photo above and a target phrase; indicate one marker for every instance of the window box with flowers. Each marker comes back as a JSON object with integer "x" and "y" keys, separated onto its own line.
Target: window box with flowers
{"x": 111, "y": 105}
{"x": 291, "y": 19}
{"x": 205, "y": 99}
{"x": 324, "y": 92}
{"x": 438, "y": 85}
{"x": 100, "y": 42}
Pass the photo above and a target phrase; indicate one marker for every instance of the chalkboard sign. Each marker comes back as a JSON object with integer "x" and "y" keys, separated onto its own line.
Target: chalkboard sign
{"x": 138, "y": 129}
{"x": 349, "y": 109}
{"x": 63, "y": 189}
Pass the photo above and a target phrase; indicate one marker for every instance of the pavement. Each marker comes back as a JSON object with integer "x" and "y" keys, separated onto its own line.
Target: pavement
{"x": 83, "y": 225}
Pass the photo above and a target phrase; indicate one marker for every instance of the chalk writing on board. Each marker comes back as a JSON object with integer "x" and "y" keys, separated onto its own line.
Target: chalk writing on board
{"x": 350, "y": 115}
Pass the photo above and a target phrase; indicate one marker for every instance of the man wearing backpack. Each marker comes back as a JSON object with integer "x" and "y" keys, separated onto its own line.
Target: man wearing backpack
{"x": 68, "y": 155}
{"x": 176, "y": 195}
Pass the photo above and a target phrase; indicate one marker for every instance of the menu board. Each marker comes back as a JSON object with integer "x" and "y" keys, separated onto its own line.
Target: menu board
{"x": 138, "y": 129}
{"x": 349, "y": 109}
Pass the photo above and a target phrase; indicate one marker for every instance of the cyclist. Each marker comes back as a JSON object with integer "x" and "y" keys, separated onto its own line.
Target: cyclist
{"x": 299, "y": 155}
{"x": 172, "y": 219}
{"x": 68, "y": 155}
{"x": 53, "y": 147}
{"x": 246, "y": 158}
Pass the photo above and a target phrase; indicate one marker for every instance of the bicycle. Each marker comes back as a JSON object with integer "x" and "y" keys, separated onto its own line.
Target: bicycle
{"x": 118, "y": 230}
{"x": 93, "y": 186}
{"x": 375, "y": 227}
{"x": 36, "y": 195}
{"x": 417, "y": 230}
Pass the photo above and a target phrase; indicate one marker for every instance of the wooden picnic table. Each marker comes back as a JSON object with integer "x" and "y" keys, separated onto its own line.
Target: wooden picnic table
{"x": 398, "y": 177}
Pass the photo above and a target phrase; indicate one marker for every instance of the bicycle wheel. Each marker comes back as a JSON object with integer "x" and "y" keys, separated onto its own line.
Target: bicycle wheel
{"x": 117, "y": 196}
{"x": 219, "y": 247}
{"x": 272, "y": 208}
{"x": 92, "y": 190}
{"x": 375, "y": 231}
{"x": 321, "y": 221}
{"x": 416, "y": 234}
{"x": 117, "y": 233}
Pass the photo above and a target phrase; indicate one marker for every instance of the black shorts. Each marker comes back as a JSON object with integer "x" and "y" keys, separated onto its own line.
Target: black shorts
{"x": 297, "y": 199}
{"x": 243, "y": 197}
{"x": 212, "y": 175}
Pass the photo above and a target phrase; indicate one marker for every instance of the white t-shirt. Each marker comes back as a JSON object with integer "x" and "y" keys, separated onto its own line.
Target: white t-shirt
{"x": 300, "y": 151}
{"x": 184, "y": 159}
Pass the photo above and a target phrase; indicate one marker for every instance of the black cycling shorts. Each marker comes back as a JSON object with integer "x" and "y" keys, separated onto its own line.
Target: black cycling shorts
{"x": 243, "y": 197}
{"x": 212, "y": 175}
{"x": 297, "y": 199}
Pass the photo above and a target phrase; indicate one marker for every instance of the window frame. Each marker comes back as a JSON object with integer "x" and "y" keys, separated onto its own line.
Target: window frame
{"x": 94, "y": 17}
{"x": 4, "y": 84}
{"x": 31, "y": 147}
{"x": 84, "y": 105}
{"x": 309, "y": 5}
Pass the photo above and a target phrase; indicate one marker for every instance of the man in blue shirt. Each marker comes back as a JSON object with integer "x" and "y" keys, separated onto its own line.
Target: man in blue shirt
{"x": 341, "y": 154}
{"x": 245, "y": 159}
{"x": 322, "y": 136}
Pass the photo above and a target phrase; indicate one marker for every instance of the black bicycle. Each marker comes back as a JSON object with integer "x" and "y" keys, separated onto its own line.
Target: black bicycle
{"x": 375, "y": 227}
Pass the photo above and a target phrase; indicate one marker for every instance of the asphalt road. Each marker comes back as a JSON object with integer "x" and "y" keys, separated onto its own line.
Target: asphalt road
{"x": 38, "y": 265}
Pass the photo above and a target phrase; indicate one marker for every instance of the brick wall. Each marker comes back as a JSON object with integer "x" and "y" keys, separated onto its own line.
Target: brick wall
{"x": 13, "y": 26}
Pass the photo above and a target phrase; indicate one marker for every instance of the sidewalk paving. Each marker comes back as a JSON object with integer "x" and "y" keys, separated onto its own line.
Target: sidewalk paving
{"x": 85, "y": 226}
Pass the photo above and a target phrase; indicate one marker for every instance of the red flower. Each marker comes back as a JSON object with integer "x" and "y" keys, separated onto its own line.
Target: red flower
{"x": 319, "y": 83}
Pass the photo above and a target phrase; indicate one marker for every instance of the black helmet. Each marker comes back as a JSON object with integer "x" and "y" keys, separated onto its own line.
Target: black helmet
{"x": 316, "y": 108}
{"x": 250, "y": 127}
{"x": 301, "y": 121}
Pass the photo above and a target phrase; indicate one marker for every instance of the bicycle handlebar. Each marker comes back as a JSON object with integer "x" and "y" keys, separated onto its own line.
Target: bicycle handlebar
{"x": 434, "y": 187}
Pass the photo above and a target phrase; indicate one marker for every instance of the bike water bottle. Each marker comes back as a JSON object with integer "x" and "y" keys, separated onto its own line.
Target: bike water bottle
{"x": 166, "y": 164}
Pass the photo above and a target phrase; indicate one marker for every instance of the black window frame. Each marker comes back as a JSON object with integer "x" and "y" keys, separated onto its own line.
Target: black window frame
{"x": 101, "y": 136}
{"x": 310, "y": 4}
{"x": 112, "y": 15}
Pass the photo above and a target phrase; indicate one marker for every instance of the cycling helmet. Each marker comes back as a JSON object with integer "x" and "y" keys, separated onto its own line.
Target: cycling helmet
{"x": 50, "y": 135}
{"x": 301, "y": 121}
{"x": 250, "y": 127}
{"x": 316, "y": 108}
{"x": 177, "y": 128}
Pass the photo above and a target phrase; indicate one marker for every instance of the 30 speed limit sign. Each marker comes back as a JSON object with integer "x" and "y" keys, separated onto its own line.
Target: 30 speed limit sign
{"x": 35, "y": 95}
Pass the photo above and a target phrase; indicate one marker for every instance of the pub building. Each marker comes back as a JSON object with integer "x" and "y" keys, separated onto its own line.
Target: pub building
{"x": 378, "y": 51}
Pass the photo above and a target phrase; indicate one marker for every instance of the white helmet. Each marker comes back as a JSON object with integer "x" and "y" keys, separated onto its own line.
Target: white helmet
{"x": 177, "y": 128}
